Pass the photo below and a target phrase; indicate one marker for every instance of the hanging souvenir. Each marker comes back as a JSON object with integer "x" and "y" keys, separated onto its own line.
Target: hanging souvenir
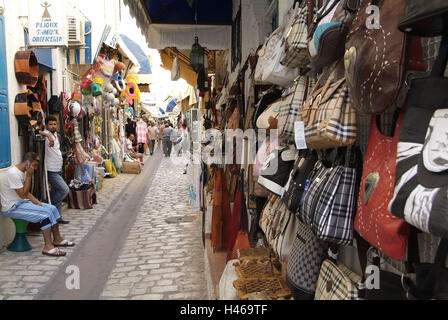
{"x": 131, "y": 92}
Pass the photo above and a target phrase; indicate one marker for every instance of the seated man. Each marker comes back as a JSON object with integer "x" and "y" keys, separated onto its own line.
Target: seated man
{"x": 18, "y": 203}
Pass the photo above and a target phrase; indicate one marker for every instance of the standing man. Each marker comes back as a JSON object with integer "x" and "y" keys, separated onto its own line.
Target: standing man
{"x": 53, "y": 164}
{"x": 167, "y": 143}
{"x": 18, "y": 203}
{"x": 152, "y": 136}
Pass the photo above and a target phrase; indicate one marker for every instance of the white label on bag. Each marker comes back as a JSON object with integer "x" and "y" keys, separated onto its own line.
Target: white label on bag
{"x": 299, "y": 129}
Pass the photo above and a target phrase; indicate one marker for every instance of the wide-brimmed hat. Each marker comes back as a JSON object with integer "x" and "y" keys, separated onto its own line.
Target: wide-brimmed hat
{"x": 26, "y": 67}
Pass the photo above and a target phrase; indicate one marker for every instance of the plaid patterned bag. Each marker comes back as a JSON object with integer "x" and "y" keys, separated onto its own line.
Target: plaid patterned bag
{"x": 336, "y": 282}
{"x": 304, "y": 263}
{"x": 329, "y": 206}
{"x": 291, "y": 106}
{"x": 328, "y": 115}
{"x": 296, "y": 46}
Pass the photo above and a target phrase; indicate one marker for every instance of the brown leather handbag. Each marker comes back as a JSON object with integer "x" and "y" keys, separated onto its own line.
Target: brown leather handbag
{"x": 26, "y": 67}
{"x": 425, "y": 18}
{"x": 375, "y": 59}
{"x": 221, "y": 215}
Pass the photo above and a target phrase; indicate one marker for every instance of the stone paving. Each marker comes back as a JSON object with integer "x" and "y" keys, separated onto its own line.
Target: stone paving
{"x": 163, "y": 257}
{"x": 160, "y": 260}
{"x": 23, "y": 274}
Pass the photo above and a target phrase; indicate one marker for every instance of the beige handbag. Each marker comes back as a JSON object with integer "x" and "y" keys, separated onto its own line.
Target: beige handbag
{"x": 282, "y": 242}
{"x": 328, "y": 116}
{"x": 336, "y": 282}
{"x": 268, "y": 215}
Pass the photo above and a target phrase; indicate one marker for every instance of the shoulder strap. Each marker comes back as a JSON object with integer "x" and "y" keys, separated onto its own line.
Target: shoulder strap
{"x": 440, "y": 64}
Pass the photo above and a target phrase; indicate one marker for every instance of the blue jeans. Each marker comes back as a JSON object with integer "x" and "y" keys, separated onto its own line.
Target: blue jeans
{"x": 59, "y": 189}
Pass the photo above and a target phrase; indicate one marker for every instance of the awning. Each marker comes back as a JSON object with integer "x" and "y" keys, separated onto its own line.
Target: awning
{"x": 138, "y": 53}
{"x": 182, "y": 36}
{"x": 44, "y": 58}
{"x": 186, "y": 72}
{"x": 160, "y": 22}
{"x": 183, "y": 12}
{"x": 171, "y": 105}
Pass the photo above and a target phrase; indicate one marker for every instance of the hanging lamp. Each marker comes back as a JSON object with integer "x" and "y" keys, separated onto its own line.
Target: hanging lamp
{"x": 198, "y": 58}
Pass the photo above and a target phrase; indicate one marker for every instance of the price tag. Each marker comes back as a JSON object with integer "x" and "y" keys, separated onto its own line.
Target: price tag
{"x": 299, "y": 129}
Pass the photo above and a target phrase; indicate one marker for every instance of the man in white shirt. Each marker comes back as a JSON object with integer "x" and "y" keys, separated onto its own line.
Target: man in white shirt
{"x": 53, "y": 164}
{"x": 18, "y": 203}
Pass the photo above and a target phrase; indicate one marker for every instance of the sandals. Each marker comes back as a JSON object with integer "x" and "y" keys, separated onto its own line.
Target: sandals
{"x": 65, "y": 243}
{"x": 55, "y": 253}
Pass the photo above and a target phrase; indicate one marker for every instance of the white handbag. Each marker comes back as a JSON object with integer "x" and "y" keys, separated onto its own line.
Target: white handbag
{"x": 175, "y": 70}
{"x": 269, "y": 69}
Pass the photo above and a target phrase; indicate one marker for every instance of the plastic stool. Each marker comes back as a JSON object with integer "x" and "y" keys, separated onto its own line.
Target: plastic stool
{"x": 20, "y": 242}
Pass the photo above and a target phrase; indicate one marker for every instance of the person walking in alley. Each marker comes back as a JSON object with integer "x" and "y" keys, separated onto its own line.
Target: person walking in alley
{"x": 53, "y": 164}
{"x": 18, "y": 203}
{"x": 152, "y": 137}
{"x": 167, "y": 143}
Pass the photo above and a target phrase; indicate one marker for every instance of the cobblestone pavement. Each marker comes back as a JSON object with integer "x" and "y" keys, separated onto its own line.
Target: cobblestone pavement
{"x": 23, "y": 274}
{"x": 160, "y": 260}
{"x": 163, "y": 257}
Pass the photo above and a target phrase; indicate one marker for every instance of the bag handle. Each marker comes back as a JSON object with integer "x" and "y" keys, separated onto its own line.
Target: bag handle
{"x": 440, "y": 64}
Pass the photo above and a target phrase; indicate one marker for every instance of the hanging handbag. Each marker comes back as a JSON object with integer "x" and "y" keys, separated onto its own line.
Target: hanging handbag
{"x": 432, "y": 278}
{"x": 270, "y": 69}
{"x": 329, "y": 204}
{"x": 373, "y": 220}
{"x": 421, "y": 182}
{"x": 175, "y": 70}
{"x": 328, "y": 115}
{"x": 336, "y": 282}
{"x": 295, "y": 187}
{"x": 290, "y": 107}
{"x": 239, "y": 226}
{"x": 221, "y": 215}
{"x": 284, "y": 229}
{"x": 425, "y": 18}
{"x": 268, "y": 215}
{"x": 304, "y": 263}
{"x": 375, "y": 57}
{"x": 328, "y": 32}
{"x": 295, "y": 53}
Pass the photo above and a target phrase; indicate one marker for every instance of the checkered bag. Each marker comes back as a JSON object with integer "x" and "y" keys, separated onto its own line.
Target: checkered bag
{"x": 329, "y": 206}
{"x": 336, "y": 282}
{"x": 304, "y": 263}
{"x": 328, "y": 115}
{"x": 296, "y": 54}
{"x": 291, "y": 105}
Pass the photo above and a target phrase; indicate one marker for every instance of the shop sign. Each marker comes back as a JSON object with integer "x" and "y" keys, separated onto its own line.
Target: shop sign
{"x": 47, "y": 23}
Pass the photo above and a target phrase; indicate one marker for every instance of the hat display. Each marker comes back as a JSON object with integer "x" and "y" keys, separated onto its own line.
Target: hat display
{"x": 26, "y": 67}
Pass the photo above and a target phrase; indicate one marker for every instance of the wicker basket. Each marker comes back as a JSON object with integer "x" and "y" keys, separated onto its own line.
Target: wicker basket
{"x": 273, "y": 287}
{"x": 256, "y": 268}
{"x": 254, "y": 253}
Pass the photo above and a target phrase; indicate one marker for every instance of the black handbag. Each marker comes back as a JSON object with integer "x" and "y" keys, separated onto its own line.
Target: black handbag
{"x": 413, "y": 178}
{"x": 425, "y": 18}
{"x": 432, "y": 278}
{"x": 297, "y": 181}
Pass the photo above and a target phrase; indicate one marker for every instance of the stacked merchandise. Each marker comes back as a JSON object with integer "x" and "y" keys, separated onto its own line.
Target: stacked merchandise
{"x": 360, "y": 161}
{"x": 259, "y": 277}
